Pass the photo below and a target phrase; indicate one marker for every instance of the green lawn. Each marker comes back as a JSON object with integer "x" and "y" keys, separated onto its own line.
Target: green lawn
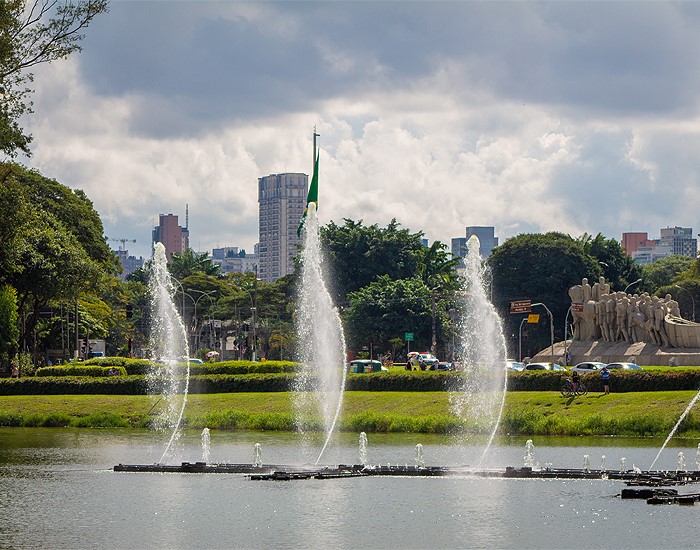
{"x": 525, "y": 413}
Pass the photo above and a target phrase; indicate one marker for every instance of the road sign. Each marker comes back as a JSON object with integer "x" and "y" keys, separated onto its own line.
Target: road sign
{"x": 408, "y": 337}
{"x": 521, "y": 306}
{"x": 533, "y": 318}
{"x": 577, "y": 307}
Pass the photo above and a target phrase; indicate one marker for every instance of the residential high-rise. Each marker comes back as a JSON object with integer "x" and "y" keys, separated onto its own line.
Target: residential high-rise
{"x": 176, "y": 239}
{"x": 281, "y": 199}
{"x": 681, "y": 241}
{"x": 632, "y": 241}
{"x": 231, "y": 260}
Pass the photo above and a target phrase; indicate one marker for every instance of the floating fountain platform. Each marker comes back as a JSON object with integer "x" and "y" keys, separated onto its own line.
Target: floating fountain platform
{"x": 276, "y": 472}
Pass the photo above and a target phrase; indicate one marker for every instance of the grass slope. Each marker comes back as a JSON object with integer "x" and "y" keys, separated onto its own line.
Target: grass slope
{"x": 526, "y": 413}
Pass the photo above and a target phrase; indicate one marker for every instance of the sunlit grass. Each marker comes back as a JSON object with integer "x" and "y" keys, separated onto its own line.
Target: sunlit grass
{"x": 640, "y": 414}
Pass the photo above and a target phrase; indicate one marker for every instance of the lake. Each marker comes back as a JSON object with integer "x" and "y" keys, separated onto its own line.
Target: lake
{"x": 58, "y": 491}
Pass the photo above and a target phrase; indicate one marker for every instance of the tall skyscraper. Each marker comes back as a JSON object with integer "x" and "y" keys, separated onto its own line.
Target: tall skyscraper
{"x": 176, "y": 239}
{"x": 281, "y": 199}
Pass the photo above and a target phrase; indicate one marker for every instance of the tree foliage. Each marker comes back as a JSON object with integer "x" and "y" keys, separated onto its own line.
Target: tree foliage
{"x": 189, "y": 262}
{"x": 31, "y": 33}
{"x": 541, "y": 267}
{"x": 618, "y": 268}
{"x": 358, "y": 255}
{"x": 665, "y": 272}
{"x": 385, "y": 310}
{"x": 53, "y": 244}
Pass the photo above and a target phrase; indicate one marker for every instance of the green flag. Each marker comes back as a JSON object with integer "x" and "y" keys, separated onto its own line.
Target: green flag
{"x": 312, "y": 196}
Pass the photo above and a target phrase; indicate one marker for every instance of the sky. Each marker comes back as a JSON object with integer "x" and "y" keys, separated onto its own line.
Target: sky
{"x": 527, "y": 116}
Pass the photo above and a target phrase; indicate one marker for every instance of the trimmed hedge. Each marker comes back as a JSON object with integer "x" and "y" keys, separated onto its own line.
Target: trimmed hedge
{"x": 79, "y": 369}
{"x": 620, "y": 382}
{"x": 138, "y": 385}
{"x": 675, "y": 379}
{"x": 143, "y": 366}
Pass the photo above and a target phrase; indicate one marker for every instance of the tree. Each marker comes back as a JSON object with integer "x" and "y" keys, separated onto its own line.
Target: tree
{"x": 385, "y": 310}
{"x": 618, "y": 268}
{"x": 54, "y": 245}
{"x": 541, "y": 267}
{"x": 190, "y": 262}
{"x": 664, "y": 272}
{"x": 9, "y": 329}
{"x": 358, "y": 255}
{"x": 31, "y": 33}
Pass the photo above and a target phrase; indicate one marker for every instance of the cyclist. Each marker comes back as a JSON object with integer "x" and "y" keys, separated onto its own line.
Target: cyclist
{"x": 575, "y": 379}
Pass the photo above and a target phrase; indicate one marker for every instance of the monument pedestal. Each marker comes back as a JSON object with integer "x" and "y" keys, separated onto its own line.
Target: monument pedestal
{"x": 612, "y": 352}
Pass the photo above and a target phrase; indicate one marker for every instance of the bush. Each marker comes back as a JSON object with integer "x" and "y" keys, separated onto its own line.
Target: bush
{"x": 79, "y": 369}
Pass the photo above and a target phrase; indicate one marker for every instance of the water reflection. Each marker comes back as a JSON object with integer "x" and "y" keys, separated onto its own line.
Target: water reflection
{"x": 58, "y": 492}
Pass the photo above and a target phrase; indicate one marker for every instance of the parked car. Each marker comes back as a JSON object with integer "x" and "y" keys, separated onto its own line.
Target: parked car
{"x": 588, "y": 366}
{"x": 624, "y": 366}
{"x": 514, "y": 366}
{"x": 543, "y": 366}
{"x": 366, "y": 365}
{"x": 443, "y": 366}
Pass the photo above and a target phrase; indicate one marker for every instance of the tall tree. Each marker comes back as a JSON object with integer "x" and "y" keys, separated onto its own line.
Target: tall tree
{"x": 541, "y": 267}
{"x": 31, "y": 33}
{"x": 617, "y": 267}
{"x": 359, "y": 254}
{"x": 189, "y": 262}
{"x": 385, "y": 310}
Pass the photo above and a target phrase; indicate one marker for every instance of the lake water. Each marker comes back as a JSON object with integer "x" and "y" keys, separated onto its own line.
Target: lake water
{"x": 57, "y": 490}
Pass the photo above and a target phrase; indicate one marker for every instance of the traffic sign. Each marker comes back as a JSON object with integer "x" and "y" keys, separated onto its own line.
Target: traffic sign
{"x": 577, "y": 307}
{"x": 408, "y": 337}
{"x": 533, "y": 318}
{"x": 521, "y": 306}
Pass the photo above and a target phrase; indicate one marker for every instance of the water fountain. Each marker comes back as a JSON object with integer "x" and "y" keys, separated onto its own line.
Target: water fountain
{"x": 420, "y": 460}
{"x": 680, "y": 465}
{"x": 529, "y": 459}
{"x": 480, "y": 396}
{"x": 363, "y": 448}
{"x": 206, "y": 445}
{"x": 168, "y": 343}
{"x": 257, "y": 456}
{"x": 318, "y": 388}
{"x": 673, "y": 431}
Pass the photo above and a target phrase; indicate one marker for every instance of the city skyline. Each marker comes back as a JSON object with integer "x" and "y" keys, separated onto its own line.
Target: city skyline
{"x": 530, "y": 117}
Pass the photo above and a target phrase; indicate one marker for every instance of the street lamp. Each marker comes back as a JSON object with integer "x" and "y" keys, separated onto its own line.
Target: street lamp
{"x": 691, "y": 297}
{"x": 202, "y": 295}
{"x": 551, "y": 326}
{"x": 520, "y": 340}
{"x": 632, "y": 284}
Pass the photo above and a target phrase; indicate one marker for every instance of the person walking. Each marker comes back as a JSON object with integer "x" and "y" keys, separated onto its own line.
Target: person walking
{"x": 605, "y": 375}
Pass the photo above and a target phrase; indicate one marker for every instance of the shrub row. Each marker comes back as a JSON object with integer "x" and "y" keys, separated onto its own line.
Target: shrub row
{"x": 79, "y": 369}
{"x": 677, "y": 379}
{"x": 143, "y": 366}
{"x": 139, "y": 385}
{"x": 620, "y": 381}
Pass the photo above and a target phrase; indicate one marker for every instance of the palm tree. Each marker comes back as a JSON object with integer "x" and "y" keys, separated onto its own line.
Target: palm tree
{"x": 190, "y": 262}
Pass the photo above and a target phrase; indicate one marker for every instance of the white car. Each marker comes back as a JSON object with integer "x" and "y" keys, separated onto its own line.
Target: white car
{"x": 588, "y": 366}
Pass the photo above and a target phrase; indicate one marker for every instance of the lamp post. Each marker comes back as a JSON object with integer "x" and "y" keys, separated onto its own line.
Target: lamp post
{"x": 551, "y": 326}
{"x": 202, "y": 295}
{"x": 520, "y": 340}
{"x": 632, "y": 284}
{"x": 691, "y": 297}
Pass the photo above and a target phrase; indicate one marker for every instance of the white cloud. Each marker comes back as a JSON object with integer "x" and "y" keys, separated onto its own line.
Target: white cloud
{"x": 455, "y": 140}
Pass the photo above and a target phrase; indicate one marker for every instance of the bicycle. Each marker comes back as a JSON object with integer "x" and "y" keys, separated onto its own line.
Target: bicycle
{"x": 567, "y": 389}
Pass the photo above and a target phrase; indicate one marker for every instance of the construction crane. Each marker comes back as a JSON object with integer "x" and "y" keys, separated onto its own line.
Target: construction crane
{"x": 123, "y": 242}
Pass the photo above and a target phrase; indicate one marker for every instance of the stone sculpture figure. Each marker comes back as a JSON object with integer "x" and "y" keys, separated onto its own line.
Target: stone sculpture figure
{"x": 601, "y": 288}
{"x": 611, "y": 317}
{"x": 576, "y": 295}
{"x": 618, "y": 316}
{"x": 621, "y": 315}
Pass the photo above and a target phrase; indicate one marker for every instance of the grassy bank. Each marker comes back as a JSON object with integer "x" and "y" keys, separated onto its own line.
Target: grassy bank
{"x": 526, "y": 413}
